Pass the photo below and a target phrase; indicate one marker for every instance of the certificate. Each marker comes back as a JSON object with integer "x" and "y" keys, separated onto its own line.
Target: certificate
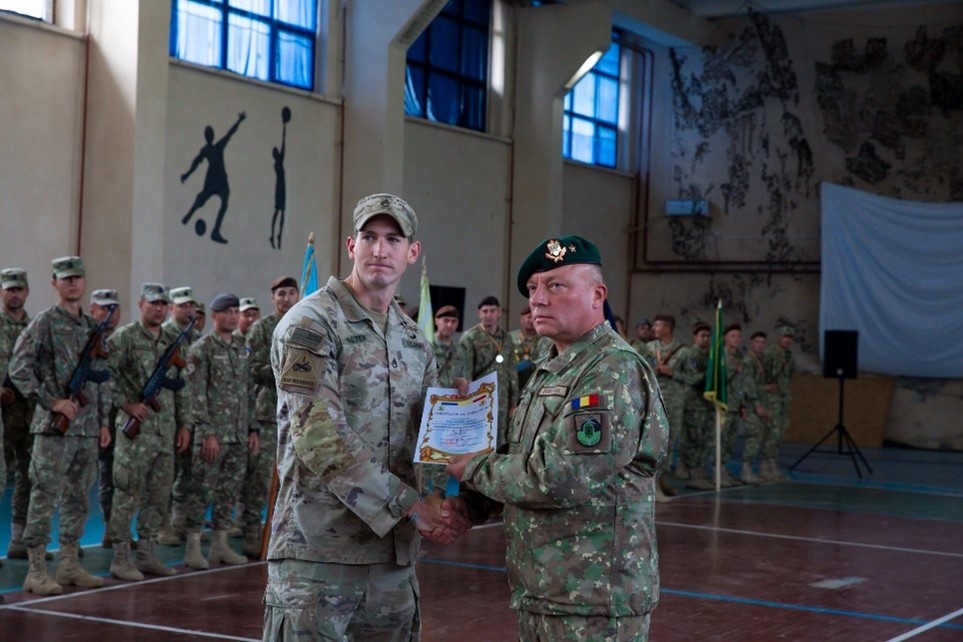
{"x": 452, "y": 424}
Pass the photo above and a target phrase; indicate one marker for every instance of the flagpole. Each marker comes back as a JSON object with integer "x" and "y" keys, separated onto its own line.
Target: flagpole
{"x": 718, "y": 410}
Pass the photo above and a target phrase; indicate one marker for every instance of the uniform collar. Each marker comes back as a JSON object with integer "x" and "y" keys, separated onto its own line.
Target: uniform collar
{"x": 558, "y": 362}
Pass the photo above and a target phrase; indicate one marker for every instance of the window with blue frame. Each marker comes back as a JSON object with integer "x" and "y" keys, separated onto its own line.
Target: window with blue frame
{"x": 590, "y": 127}
{"x": 271, "y": 40}
{"x": 446, "y": 79}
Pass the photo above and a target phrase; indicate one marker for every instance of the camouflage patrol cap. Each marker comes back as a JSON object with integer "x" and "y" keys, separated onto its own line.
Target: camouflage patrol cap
{"x": 224, "y": 301}
{"x": 396, "y": 208}
{"x": 105, "y": 297}
{"x": 182, "y": 295}
{"x": 13, "y": 278}
{"x": 155, "y": 292}
{"x": 554, "y": 253}
{"x": 67, "y": 266}
{"x": 200, "y": 309}
{"x": 247, "y": 303}
{"x": 786, "y": 331}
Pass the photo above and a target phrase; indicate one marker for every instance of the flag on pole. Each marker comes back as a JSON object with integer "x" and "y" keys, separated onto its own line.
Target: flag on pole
{"x": 716, "y": 372}
{"x": 309, "y": 269}
{"x": 426, "y": 318}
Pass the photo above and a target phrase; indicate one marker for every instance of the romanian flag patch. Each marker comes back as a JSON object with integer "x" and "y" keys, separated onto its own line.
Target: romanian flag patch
{"x": 588, "y": 401}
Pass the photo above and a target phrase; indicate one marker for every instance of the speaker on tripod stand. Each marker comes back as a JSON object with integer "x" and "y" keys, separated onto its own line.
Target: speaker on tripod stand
{"x": 841, "y": 362}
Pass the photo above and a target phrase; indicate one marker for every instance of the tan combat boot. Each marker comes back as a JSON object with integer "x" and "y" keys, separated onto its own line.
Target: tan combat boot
{"x": 147, "y": 562}
{"x": 193, "y": 557}
{"x": 71, "y": 573}
{"x": 746, "y": 476}
{"x": 665, "y": 485}
{"x": 774, "y": 472}
{"x": 120, "y": 566}
{"x": 38, "y": 581}
{"x": 167, "y": 536}
{"x": 221, "y": 552}
{"x": 17, "y": 550}
{"x": 698, "y": 480}
{"x": 252, "y": 542}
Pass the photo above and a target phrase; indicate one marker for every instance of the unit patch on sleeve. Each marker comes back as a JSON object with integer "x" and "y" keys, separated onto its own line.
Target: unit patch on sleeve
{"x": 299, "y": 373}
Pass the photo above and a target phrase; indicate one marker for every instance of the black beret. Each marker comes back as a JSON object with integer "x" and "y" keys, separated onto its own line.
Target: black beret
{"x": 554, "y": 253}
{"x": 284, "y": 282}
{"x": 224, "y": 301}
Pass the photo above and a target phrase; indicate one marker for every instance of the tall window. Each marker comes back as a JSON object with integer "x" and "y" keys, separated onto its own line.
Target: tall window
{"x": 30, "y": 8}
{"x": 272, "y": 40}
{"x": 591, "y": 122}
{"x": 447, "y": 75}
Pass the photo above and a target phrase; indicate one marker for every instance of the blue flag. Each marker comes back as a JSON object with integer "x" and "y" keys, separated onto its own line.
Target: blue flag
{"x": 309, "y": 269}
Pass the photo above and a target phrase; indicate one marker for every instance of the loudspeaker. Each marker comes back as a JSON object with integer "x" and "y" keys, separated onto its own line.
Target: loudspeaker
{"x": 840, "y": 354}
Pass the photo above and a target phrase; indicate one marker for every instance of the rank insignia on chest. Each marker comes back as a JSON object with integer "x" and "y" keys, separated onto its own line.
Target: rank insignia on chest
{"x": 588, "y": 401}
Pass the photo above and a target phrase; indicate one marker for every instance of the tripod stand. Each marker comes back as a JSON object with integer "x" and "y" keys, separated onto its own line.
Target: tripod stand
{"x": 842, "y": 435}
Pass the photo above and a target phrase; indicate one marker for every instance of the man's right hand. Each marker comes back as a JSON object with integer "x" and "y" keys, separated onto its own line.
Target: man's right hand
{"x": 440, "y": 520}
{"x": 65, "y": 407}
{"x": 136, "y": 410}
{"x": 210, "y": 448}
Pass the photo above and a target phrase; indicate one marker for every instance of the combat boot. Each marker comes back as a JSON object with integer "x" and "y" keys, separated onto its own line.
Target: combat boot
{"x": 698, "y": 481}
{"x": 726, "y": 480}
{"x": 71, "y": 573}
{"x": 774, "y": 472}
{"x": 177, "y": 522}
{"x": 746, "y": 476}
{"x": 193, "y": 557}
{"x": 764, "y": 473}
{"x": 167, "y": 536}
{"x": 660, "y": 497}
{"x": 681, "y": 471}
{"x": 17, "y": 549}
{"x": 252, "y": 542}
{"x": 665, "y": 485}
{"x": 120, "y": 566}
{"x": 38, "y": 581}
{"x": 221, "y": 552}
{"x": 147, "y": 562}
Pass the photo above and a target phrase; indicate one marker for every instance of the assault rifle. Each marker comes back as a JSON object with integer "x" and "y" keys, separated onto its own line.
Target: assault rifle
{"x": 84, "y": 370}
{"x": 159, "y": 380}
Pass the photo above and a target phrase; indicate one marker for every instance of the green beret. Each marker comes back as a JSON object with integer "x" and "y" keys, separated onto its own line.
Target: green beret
{"x": 554, "y": 253}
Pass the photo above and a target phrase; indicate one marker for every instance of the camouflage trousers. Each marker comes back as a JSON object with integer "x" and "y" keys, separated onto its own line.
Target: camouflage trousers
{"x": 143, "y": 473}
{"x": 17, "y": 444}
{"x": 335, "y": 602}
{"x": 183, "y": 488}
{"x": 257, "y": 477}
{"x": 698, "y": 441}
{"x": 217, "y": 483}
{"x": 673, "y": 395}
{"x": 752, "y": 429}
{"x": 541, "y": 627}
{"x": 62, "y": 471}
{"x": 778, "y": 405}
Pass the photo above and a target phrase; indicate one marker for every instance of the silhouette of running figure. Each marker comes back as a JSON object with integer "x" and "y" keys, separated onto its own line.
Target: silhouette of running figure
{"x": 280, "y": 189}
{"x": 215, "y": 183}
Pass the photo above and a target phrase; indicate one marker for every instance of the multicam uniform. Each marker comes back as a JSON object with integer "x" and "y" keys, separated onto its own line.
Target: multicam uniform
{"x": 578, "y": 485}
{"x": 482, "y": 351}
{"x": 62, "y": 468}
{"x": 673, "y": 389}
{"x": 778, "y": 367}
{"x": 17, "y": 415}
{"x": 144, "y": 466}
{"x": 351, "y": 393}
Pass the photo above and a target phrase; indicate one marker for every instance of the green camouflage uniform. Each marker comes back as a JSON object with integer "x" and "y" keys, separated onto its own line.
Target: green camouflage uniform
{"x": 527, "y": 351}
{"x": 260, "y": 464}
{"x": 223, "y": 406}
{"x": 778, "y": 366}
{"x": 144, "y": 466}
{"x": 673, "y": 389}
{"x": 756, "y": 427}
{"x": 578, "y": 484}
{"x": 698, "y": 416}
{"x": 481, "y": 351}
{"x": 743, "y": 398}
{"x": 17, "y": 440}
{"x": 62, "y": 468}
{"x": 181, "y": 488}
{"x": 351, "y": 397}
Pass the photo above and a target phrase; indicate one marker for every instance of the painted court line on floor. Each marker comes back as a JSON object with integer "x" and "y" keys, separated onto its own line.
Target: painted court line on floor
{"x": 814, "y": 540}
{"x": 927, "y": 627}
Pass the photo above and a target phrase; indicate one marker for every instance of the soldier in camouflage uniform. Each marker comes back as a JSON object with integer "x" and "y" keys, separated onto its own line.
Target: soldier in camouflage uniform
{"x": 528, "y": 346}
{"x": 250, "y": 313}
{"x": 352, "y": 372}
{"x": 698, "y": 415}
{"x": 144, "y": 464}
{"x": 183, "y": 309}
{"x": 224, "y": 431}
{"x": 664, "y": 355}
{"x": 262, "y": 462}
{"x": 487, "y": 348}
{"x": 643, "y": 334}
{"x": 17, "y": 409}
{"x": 756, "y": 416}
{"x": 62, "y": 467}
{"x": 578, "y": 481}
{"x": 779, "y": 367}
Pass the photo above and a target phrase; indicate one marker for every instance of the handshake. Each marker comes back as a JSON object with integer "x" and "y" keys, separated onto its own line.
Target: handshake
{"x": 440, "y": 519}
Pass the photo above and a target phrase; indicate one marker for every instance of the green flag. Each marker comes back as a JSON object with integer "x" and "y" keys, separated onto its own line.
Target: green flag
{"x": 716, "y": 372}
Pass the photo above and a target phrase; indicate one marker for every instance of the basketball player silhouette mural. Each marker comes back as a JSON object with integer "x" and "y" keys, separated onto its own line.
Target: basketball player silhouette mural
{"x": 215, "y": 182}
{"x": 280, "y": 189}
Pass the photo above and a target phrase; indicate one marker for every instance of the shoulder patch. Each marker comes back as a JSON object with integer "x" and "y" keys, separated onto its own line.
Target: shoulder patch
{"x": 299, "y": 373}
{"x": 589, "y": 432}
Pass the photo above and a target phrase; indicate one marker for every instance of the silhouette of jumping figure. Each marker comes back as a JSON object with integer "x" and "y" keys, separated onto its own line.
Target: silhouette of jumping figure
{"x": 280, "y": 189}
{"x": 215, "y": 182}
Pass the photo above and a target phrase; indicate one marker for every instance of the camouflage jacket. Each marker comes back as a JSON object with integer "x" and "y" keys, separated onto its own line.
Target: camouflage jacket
{"x": 481, "y": 354}
{"x": 43, "y": 361}
{"x": 692, "y": 371}
{"x": 740, "y": 388}
{"x": 134, "y": 353}
{"x": 10, "y": 330}
{"x": 221, "y": 389}
{"x": 451, "y": 363}
{"x": 350, "y": 403}
{"x": 755, "y": 376}
{"x": 671, "y": 354}
{"x": 578, "y": 482}
{"x": 171, "y": 326}
{"x": 778, "y": 366}
{"x": 259, "y": 338}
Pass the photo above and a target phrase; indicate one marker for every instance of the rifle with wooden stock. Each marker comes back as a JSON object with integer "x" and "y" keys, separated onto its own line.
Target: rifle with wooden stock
{"x": 159, "y": 380}
{"x": 84, "y": 371}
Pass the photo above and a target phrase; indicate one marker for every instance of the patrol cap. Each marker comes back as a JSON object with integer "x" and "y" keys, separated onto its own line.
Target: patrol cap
{"x": 104, "y": 297}
{"x": 200, "y": 307}
{"x": 389, "y": 204}
{"x": 155, "y": 292}
{"x": 68, "y": 266}
{"x": 787, "y": 331}
{"x": 554, "y": 253}
{"x": 247, "y": 303}
{"x": 284, "y": 282}
{"x": 643, "y": 321}
{"x": 447, "y": 311}
{"x": 13, "y": 278}
{"x": 224, "y": 301}
{"x": 182, "y": 295}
